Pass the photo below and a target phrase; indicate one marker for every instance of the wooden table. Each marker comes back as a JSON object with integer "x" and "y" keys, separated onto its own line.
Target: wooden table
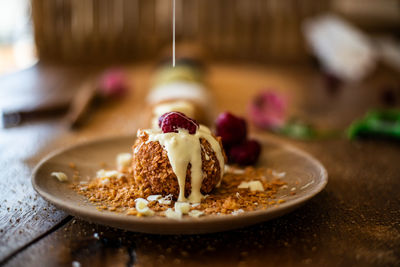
{"x": 354, "y": 221}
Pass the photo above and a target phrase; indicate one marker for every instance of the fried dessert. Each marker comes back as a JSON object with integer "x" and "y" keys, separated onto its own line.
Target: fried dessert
{"x": 176, "y": 171}
{"x": 180, "y": 157}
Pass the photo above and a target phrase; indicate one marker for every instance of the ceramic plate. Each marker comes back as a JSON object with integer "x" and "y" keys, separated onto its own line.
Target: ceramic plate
{"x": 303, "y": 172}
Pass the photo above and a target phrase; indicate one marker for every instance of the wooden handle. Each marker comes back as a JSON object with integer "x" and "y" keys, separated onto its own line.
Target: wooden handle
{"x": 81, "y": 104}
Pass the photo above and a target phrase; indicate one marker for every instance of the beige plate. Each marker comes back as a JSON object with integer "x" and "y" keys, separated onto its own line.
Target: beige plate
{"x": 304, "y": 174}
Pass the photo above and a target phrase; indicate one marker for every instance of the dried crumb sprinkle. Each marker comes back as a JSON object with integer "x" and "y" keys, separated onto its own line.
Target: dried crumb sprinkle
{"x": 131, "y": 211}
{"x": 127, "y": 194}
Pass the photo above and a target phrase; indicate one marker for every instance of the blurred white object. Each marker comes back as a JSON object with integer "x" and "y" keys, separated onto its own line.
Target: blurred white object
{"x": 17, "y": 49}
{"x": 343, "y": 50}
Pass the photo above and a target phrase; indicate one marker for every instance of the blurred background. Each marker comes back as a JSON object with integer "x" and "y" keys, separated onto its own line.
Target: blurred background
{"x": 127, "y": 30}
{"x": 347, "y": 41}
{"x": 314, "y": 73}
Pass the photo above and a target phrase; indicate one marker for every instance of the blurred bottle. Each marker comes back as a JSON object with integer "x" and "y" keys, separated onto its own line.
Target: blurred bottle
{"x": 181, "y": 88}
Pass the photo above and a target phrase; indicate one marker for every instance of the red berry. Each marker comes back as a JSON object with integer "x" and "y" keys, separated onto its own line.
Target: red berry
{"x": 170, "y": 122}
{"x": 231, "y": 129}
{"x": 246, "y": 153}
{"x": 161, "y": 118}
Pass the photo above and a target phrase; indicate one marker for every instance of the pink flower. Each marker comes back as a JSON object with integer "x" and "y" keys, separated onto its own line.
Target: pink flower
{"x": 267, "y": 110}
{"x": 112, "y": 83}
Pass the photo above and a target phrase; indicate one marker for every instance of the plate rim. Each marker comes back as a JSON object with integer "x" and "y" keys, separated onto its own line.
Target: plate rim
{"x": 108, "y": 218}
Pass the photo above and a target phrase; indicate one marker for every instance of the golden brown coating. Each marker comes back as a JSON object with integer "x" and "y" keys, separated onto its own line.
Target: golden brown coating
{"x": 151, "y": 167}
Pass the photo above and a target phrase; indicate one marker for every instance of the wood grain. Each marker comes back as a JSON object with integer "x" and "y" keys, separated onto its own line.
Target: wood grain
{"x": 101, "y": 31}
{"x": 355, "y": 221}
{"x": 23, "y": 215}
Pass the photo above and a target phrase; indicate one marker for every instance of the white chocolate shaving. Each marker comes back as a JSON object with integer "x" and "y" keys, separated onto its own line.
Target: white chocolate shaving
{"x": 182, "y": 207}
{"x": 109, "y": 174}
{"x": 278, "y": 174}
{"x": 142, "y": 208}
{"x": 154, "y": 197}
{"x": 237, "y": 212}
{"x": 124, "y": 160}
{"x": 229, "y": 169}
{"x": 165, "y": 200}
{"x": 170, "y": 213}
{"x": 62, "y": 177}
{"x": 252, "y": 185}
{"x": 195, "y": 213}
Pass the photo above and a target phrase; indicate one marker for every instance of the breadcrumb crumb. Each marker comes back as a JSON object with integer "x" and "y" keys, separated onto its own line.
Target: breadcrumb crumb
{"x": 120, "y": 194}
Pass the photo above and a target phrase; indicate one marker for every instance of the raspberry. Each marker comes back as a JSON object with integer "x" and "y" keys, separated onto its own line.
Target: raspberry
{"x": 161, "y": 118}
{"x": 231, "y": 129}
{"x": 246, "y": 153}
{"x": 172, "y": 121}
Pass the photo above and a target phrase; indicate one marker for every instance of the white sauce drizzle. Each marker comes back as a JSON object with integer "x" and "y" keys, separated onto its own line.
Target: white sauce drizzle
{"x": 184, "y": 148}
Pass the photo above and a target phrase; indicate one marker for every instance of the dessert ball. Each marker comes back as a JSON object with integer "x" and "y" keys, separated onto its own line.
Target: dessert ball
{"x": 178, "y": 155}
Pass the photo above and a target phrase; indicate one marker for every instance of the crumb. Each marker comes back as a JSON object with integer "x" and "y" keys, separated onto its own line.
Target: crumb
{"x": 131, "y": 212}
{"x": 120, "y": 191}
